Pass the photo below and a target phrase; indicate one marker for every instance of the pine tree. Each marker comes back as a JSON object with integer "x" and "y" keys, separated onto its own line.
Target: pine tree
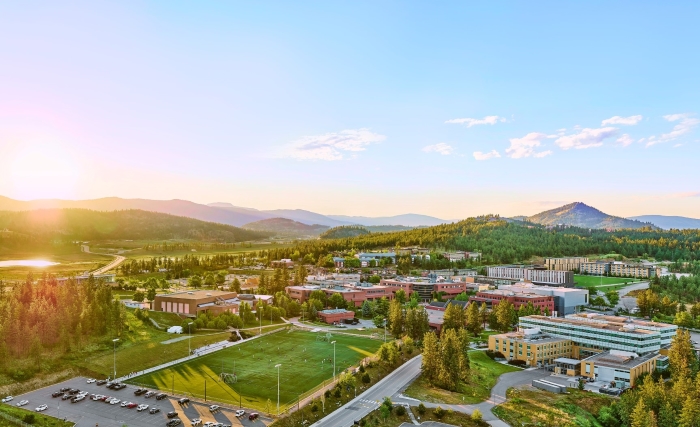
{"x": 473, "y": 319}
{"x": 453, "y": 318}
{"x": 690, "y": 414}
{"x": 431, "y": 357}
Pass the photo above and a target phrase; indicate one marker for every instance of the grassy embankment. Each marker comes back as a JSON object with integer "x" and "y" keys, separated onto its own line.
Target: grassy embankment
{"x": 29, "y": 417}
{"x": 483, "y": 376}
{"x": 529, "y": 406}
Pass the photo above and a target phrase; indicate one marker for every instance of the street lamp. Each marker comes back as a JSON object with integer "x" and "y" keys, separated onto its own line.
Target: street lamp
{"x": 114, "y": 345}
{"x": 278, "y": 388}
{"x": 333, "y": 342}
{"x": 385, "y": 330}
{"x": 189, "y": 339}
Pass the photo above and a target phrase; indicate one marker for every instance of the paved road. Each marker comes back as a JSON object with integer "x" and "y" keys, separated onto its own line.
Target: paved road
{"x": 90, "y": 413}
{"x": 118, "y": 259}
{"x": 630, "y": 302}
{"x": 371, "y": 399}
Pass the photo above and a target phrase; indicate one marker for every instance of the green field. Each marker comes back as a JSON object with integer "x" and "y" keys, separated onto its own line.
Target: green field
{"x": 595, "y": 281}
{"x": 71, "y": 261}
{"x": 306, "y": 363}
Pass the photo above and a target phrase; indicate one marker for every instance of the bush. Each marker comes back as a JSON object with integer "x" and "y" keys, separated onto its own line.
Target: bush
{"x": 400, "y": 411}
{"x": 439, "y": 412}
{"x": 421, "y": 409}
{"x": 362, "y": 368}
{"x": 516, "y": 362}
{"x": 337, "y": 393}
{"x": 476, "y": 415}
{"x": 366, "y": 379}
{"x": 327, "y": 394}
{"x": 388, "y": 404}
{"x": 28, "y": 418}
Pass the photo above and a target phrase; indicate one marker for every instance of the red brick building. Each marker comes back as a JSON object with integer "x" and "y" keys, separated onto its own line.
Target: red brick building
{"x": 494, "y": 297}
{"x": 336, "y": 315}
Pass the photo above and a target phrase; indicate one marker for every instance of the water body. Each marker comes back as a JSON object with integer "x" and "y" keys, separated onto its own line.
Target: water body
{"x": 27, "y": 263}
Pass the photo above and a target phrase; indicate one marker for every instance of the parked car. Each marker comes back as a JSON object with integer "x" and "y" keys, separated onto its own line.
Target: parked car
{"x": 65, "y": 389}
{"x": 22, "y": 402}
{"x": 91, "y": 380}
{"x": 183, "y": 401}
{"x": 150, "y": 394}
{"x": 110, "y": 384}
{"x": 142, "y": 407}
{"x": 124, "y": 403}
{"x": 174, "y": 422}
{"x": 103, "y": 398}
{"x": 101, "y": 382}
{"x": 77, "y": 399}
{"x": 195, "y": 422}
{"x": 41, "y": 408}
{"x": 214, "y": 408}
{"x": 240, "y": 413}
{"x": 161, "y": 396}
{"x": 57, "y": 394}
{"x": 66, "y": 396}
{"x": 171, "y": 414}
{"x": 253, "y": 416}
{"x": 74, "y": 391}
{"x": 120, "y": 386}
{"x": 209, "y": 424}
{"x": 154, "y": 410}
{"x": 140, "y": 391}
{"x": 131, "y": 405}
{"x": 114, "y": 401}
{"x": 7, "y": 399}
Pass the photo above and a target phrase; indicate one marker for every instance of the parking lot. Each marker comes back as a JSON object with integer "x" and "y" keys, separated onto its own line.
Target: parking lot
{"x": 89, "y": 413}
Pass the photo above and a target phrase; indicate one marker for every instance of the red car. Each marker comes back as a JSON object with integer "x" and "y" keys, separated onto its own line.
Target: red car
{"x": 131, "y": 405}
{"x": 253, "y": 416}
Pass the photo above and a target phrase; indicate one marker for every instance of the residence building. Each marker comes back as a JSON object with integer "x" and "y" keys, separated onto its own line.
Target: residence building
{"x": 564, "y": 264}
{"x": 537, "y": 275}
{"x": 545, "y": 303}
{"x": 531, "y": 345}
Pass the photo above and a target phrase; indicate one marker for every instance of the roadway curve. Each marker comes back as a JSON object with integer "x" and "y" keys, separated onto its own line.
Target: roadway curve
{"x": 118, "y": 259}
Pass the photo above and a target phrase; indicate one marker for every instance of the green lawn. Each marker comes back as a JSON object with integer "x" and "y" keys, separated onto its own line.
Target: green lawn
{"x": 26, "y": 415}
{"x": 483, "y": 376}
{"x": 595, "y": 281}
{"x": 305, "y": 362}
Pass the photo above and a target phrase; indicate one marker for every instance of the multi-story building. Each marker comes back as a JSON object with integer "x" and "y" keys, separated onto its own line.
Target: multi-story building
{"x": 564, "y": 264}
{"x": 620, "y": 368}
{"x": 545, "y": 303}
{"x": 535, "y": 275}
{"x": 195, "y": 302}
{"x": 566, "y": 300}
{"x": 425, "y": 287}
{"x": 619, "y": 269}
{"x": 595, "y": 268}
{"x": 356, "y": 293}
{"x": 531, "y": 345}
{"x": 592, "y": 334}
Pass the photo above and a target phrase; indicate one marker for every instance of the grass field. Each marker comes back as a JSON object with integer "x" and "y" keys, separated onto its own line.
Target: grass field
{"x": 483, "y": 376}
{"x": 71, "y": 261}
{"x": 305, "y": 362}
{"x": 595, "y": 281}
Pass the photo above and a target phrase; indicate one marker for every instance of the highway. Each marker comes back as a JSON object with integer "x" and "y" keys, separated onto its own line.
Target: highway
{"x": 118, "y": 259}
{"x": 372, "y": 398}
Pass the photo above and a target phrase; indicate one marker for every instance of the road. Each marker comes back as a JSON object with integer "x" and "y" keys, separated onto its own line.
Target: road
{"x": 630, "y": 302}
{"x": 371, "y": 399}
{"x": 118, "y": 259}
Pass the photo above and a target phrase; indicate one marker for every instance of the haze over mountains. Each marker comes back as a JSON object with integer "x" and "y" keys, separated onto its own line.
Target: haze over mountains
{"x": 576, "y": 214}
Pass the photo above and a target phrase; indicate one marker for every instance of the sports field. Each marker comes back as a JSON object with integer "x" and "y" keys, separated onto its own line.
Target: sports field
{"x": 595, "y": 281}
{"x": 306, "y": 362}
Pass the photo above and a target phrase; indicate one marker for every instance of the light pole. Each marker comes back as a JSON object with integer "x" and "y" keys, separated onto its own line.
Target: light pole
{"x": 278, "y": 388}
{"x": 189, "y": 339}
{"x": 333, "y": 342}
{"x": 385, "y": 330}
{"x": 114, "y": 345}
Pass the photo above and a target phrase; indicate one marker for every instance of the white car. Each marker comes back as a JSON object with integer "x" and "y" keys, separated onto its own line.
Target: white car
{"x": 196, "y": 422}
{"x": 42, "y": 408}
{"x": 91, "y": 380}
{"x": 124, "y": 403}
{"x": 240, "y": 413}
{"x": 209, "y": 424}
{"x": 114, "y": 401}
{"x": 142, "y": 407}
{"x": 7, "y": 399}
{"x": 22, "y": 402}
{"x": 214, "y": 408}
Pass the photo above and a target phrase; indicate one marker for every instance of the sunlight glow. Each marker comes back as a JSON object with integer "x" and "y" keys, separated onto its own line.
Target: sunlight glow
{"x": 44, "y": 171}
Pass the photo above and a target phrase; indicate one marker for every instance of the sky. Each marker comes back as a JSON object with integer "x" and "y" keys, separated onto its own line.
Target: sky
{"x": 450, "y": 109}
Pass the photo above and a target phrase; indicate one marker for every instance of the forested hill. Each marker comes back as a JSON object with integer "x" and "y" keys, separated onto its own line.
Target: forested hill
{"x": 344, "y": 231}
{"x": 503, "y": 242}
{"x": 50, "y": 225}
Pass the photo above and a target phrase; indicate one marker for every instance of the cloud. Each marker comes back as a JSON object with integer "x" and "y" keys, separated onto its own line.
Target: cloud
{"x": 488, "y": 120}
{"x": 586, "y": 138}
{"x": 625, "y": 140}
{"x": 525, "y": 146}
{"x": 331, "y": 146}
{"x": 478, "y": 155}
{"x": 686, "y": 123}
{"x": 441, "y": 148}
{"x": 677, "y": 145}
{"x": 543, "y": 154}
{"x": 618, "y": 120}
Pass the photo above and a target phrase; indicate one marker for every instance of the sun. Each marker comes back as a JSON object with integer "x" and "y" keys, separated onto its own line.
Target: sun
{"x": 41, "y": 171}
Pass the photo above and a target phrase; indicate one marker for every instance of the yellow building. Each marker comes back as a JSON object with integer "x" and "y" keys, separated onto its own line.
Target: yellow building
{"x": 530, "y": 345}
{"x": 564, "y": 264}
{"x": 618, "y": 368}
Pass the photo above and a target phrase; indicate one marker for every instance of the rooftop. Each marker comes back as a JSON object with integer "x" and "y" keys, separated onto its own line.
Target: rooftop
{"x": 620, "y": 359}
{"x": 533, "y": 338}
{"x": 608, "y": 326}
{"x": 197, "y": 294}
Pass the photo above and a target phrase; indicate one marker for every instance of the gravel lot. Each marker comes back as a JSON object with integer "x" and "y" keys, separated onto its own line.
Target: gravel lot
{"x": 90, "y": 413}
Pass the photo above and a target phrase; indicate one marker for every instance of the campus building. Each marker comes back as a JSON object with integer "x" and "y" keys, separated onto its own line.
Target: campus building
{"x": 357, "y": 293}
{"x": 619, "y": 269}
{"x": 620, "y": 368}
{"x": 425, "y": 287}
{"x": 194, "y": 302}
{"x": 531, "y": 346}
{"x": 518, "y": 299}
{"x": 566, "y": 300}
{"x": 564, "y": 264}
{"x": 592, "y": 334}
{"x": 336, "y": 315}
{"x": 538, "y": 276}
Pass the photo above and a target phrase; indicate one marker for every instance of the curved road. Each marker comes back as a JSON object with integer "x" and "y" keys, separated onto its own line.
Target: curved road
{"x": 118, "y": 259}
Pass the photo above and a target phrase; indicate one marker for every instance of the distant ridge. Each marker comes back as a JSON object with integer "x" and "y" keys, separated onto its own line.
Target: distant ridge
{"x": 408, "y": 220}
{"x": 286, "y": 227}
{"x": 581, "y": 215}
{"x": 669, "y": 222}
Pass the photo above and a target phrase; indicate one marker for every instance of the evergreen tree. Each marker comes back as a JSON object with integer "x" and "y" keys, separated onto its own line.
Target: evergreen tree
{"x": 473, "y": 319}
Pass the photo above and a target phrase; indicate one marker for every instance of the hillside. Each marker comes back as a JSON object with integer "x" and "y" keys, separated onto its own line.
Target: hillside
{"x": 581, "y": 215}
{"x": 50, "y": 225}
{"x": 344, "y": 232}
{"x": 407, "y": 220}
{"x": 669, "y": 222}
{"x": 286, "y": 227}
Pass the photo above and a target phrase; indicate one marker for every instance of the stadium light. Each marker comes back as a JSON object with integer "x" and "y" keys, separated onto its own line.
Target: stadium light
{"x": 278, "y": 388}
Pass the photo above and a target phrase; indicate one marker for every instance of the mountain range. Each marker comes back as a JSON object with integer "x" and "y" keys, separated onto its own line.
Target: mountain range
{"x": 581, "y": 215}
{"x": 669, "y": 222}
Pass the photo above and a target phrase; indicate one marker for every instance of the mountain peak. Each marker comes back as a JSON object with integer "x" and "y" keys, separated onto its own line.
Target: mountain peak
{"x": 579, "y": 214}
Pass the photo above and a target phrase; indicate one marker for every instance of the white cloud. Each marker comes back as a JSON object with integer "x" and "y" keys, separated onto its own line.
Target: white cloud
{"x": 331, "y": 146}
{"x": 618, "y": 120}
{"x": 625, "y": 140}
{"x": 685, "y": 125}
{"x": 441, "y": 148}
{"x": 478, "y": 155}
{"x": 677, "y": 145}
{"x": 488, "y": 120}
{"x": 525, "y": 146}
{"x": 543, "y": 154}
{"x": 586, "y": 138}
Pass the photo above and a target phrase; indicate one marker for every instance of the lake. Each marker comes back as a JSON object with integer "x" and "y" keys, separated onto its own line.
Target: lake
{"x": 27, "y": 263}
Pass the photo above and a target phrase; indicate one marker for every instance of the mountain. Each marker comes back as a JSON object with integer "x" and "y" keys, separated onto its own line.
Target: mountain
{"x": 50, "y": 225}
{"x": 344, "y": 231}
{"x": 299, "y": 215}
{"x": 286, "y": 227}
{"x": 581, "y": 215}
{"x": 236, "y": 217}
{"x": 669, "y": 222}
{"x": 408, "y": 220}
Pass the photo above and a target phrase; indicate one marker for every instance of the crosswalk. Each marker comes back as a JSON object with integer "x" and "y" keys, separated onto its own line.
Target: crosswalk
{"x": 370, "y": 402}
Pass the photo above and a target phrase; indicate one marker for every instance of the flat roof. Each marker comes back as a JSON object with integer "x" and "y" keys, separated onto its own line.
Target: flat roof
{"x": 531, "y": 339}
{"x": 619, "y": 361}
{"x": 567, "y": 360}
{"x": 335, "y": 311}
{"x": 199, "y": 294}
{"x": 608, "y": 326}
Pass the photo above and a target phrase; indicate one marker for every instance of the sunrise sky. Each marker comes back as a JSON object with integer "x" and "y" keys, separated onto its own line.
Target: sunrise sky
{"x": 356, "y": 107}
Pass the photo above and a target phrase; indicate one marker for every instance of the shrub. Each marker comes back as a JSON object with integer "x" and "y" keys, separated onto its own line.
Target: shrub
{"x": 28, "y": 418}
{"x": 476, "y": 415}
{"x": 337, "y": 393}
{"x": 439, "y": 412}
{"x": 314, "y": 407}
{"x": 400, "y": 411}
{"x": 388, "y": 403}
{"x": 362, "y": 368}
{"x": 516, "y": 362}
{"x": 365, "y": 378}
{"x": 327, "y": 394}
{"x": 421, "y": 408}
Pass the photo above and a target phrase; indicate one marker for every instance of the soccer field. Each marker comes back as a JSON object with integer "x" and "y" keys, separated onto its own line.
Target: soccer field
{"x": 595, "y": 281}
{"x": 306, "y": 363}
